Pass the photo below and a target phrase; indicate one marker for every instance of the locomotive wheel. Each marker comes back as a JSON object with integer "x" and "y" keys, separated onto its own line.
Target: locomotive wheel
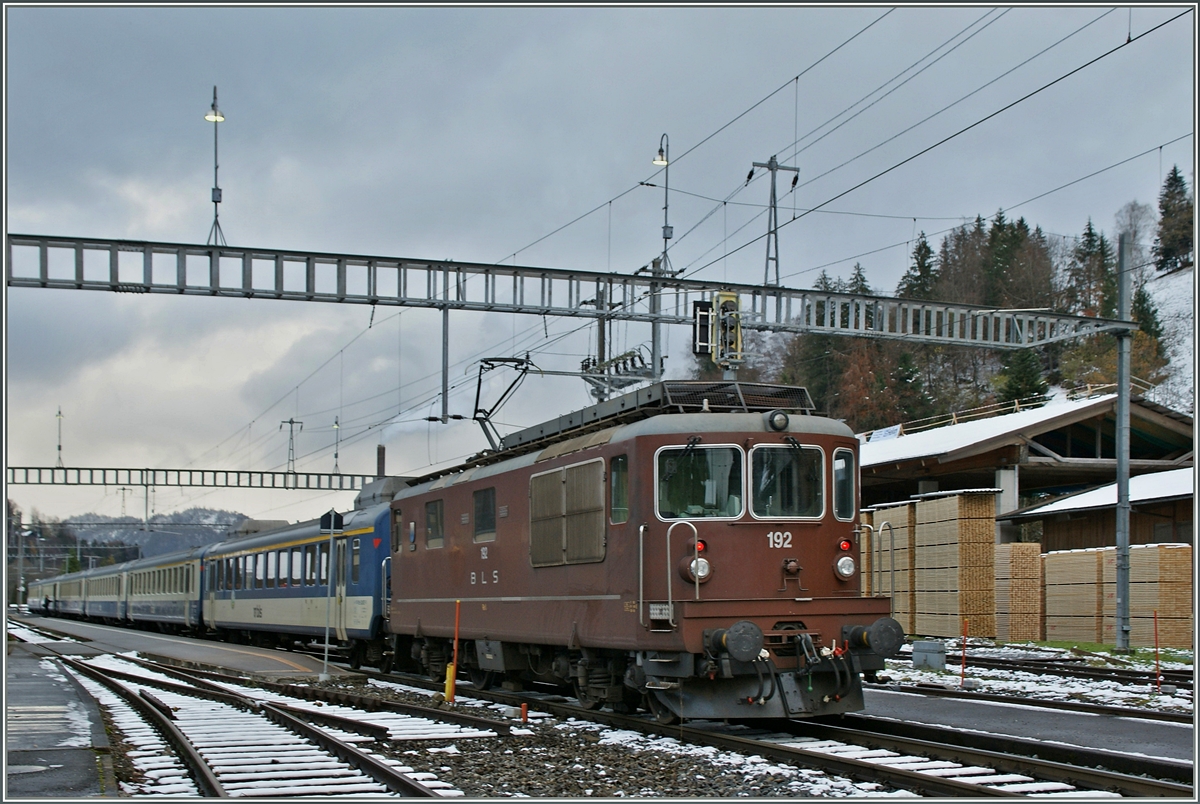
{"x": 586, "y": 702}
{"x": 481, "y": 679}
{"x": 356, "y": 655}
{"x": 630, "y": 703}
{"x": 660, "y": 711}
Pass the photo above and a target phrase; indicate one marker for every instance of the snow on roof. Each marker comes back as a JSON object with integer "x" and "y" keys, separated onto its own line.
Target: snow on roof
{"x": 952, "y": 438}
{"x": 1174, "y": 483}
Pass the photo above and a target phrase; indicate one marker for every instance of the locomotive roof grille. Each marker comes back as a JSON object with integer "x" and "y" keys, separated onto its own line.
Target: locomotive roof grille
{"x": 670, "y": 396}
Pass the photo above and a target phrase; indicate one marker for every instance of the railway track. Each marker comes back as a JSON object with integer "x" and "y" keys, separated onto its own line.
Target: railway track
{"x": 926, "y": 760}
{"x": 1046, "y": 703}
{"x": 1182, "y": 679}
{"x": 236, "y": 745}
{"x": 896, "y": 756}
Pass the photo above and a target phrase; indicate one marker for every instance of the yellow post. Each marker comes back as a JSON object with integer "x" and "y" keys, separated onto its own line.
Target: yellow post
{"x": 452, "y": 669}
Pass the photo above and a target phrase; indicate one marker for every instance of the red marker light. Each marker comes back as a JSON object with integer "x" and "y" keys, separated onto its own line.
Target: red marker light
{"x": 845, "y": 545}
{"x": 701, "y": 545}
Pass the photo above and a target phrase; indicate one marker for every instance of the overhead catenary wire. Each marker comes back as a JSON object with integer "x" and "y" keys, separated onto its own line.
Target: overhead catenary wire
{"x": 951, "y": 105}
{"x": 1008, "y": 208}
{"x": 816, "y": 209}
{"x": 964, "y": 130}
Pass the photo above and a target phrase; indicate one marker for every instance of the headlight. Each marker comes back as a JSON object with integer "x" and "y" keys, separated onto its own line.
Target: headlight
{"x": 700, "y": 568}
{"x": 845, "y": 566}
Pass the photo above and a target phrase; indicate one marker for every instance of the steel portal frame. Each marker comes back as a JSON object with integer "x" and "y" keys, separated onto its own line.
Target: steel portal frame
{"x": 256, "y": 273}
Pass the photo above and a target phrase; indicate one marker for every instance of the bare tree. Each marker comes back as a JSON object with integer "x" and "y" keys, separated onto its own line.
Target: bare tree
{"x": 1137, "y": 222}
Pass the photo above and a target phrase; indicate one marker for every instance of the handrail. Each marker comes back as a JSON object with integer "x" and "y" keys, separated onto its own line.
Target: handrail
{"x": 892, "y": 556}
{"x": 641, "y": 574}
{"x": 384, "y": 596}
{"x": 861, "y": 527}
{"x": 670, "y": 600}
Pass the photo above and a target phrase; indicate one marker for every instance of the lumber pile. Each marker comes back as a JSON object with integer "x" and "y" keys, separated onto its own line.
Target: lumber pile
{"x": 1018, "y": 568}
{"x": 900, "y": 585}
{"x": 1081, "y": 595}
{"x": 1160, "y": 579}
{"x": 1073, "y": 595}
{"x": 953, "y": 566}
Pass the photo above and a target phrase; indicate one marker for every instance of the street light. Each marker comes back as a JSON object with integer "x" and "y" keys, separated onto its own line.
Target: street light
{"x": 215, "y": 236}
{"x": 663, "y": 160}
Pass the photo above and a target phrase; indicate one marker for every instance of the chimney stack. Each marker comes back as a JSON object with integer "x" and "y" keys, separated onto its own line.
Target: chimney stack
{"x": 379, "y": 462}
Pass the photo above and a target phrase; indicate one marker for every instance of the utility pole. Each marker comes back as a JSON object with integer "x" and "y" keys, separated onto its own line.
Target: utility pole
{"x": 659, "y": 266}
{"x": 337, "y": 434}
{"x": 124, "y": 490}
{"x": 291, "y": 462}
{"x": 20, "y": 534}
{"x": 1123, "y": 343}
{"x": 773, "y": 219}
{"x": 59, "y": 417}
{"x": 215, "y": 236}
{"x": 446, "y": 348}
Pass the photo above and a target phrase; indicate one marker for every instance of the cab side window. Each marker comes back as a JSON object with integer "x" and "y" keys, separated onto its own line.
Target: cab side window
{"x": 434, "y": 525}
{"x": 618, "y": 484}
{"x": 485, "y": 515}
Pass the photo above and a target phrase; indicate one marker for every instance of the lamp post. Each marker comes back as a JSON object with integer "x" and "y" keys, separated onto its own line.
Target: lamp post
{"x": 215, "y": 236}
{"x": 660, "y": 265}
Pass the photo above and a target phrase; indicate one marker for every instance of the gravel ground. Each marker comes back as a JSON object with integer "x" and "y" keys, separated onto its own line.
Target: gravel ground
{"x": 553, "y": 758}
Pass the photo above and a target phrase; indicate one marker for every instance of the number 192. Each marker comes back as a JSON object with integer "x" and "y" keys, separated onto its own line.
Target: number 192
{"x": 777, "y": 538}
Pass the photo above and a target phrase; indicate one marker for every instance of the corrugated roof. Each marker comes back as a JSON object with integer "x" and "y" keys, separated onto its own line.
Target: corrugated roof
{"x": 1170, "y": 485}
{"x": 981, "y": 433}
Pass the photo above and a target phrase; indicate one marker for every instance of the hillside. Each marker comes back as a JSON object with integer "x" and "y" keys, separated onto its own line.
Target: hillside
{"x": 1174, "y": 295}
{"x": 167, "y": 532}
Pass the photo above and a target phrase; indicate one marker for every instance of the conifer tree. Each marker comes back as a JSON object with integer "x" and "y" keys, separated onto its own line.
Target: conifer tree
{"x": 1146, "y": 315}
{"x": 1173, "y": 244}
{"x": 1092, "y": 276}
{"x": 1022, "y": 376}
{"x": 918, "y": 281}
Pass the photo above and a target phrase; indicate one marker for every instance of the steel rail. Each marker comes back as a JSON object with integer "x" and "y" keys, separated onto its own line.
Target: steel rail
{"x": 205, "y": 777}
{"x": 1181, "y": 679}
{"x": 922, "y": 784}
{"x": 364, "y": 702}
{"x": 1018, "y": 755}
{"x": 1072, "y": 706}
{"x": 381, "y": 772}
{"x": 290, "y": 719}
{"x": 1073, "y": 773}
{"x": 1179, "y": 771}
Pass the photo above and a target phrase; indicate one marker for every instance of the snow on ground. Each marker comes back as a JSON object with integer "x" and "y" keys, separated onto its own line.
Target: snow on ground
{"x": 1174, "y": 296}
{"x": 1049, "y": 687}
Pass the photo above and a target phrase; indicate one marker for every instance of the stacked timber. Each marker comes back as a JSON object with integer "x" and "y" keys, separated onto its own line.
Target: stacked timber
{"x": 893, "y": 569}
{"x": 1160, "y": 580}
{"x": 1074, "y": 586}
{"x": 1018, "y": 568}
{"x": 954, "y": 564}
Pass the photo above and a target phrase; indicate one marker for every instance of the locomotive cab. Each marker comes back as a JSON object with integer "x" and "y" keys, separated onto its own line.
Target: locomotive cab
{"x": 690, "y": 548}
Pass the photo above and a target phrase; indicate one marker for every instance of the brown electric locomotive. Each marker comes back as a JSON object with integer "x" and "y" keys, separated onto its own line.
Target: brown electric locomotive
{"x": 689, "y": 547}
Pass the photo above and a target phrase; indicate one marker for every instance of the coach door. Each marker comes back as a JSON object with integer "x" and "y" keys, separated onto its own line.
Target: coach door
{"x": 209, "y": 578}
{"x": 340, "y": 604}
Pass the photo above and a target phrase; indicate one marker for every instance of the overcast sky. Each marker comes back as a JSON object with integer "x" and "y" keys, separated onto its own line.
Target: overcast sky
{"x": 471, "y": 133}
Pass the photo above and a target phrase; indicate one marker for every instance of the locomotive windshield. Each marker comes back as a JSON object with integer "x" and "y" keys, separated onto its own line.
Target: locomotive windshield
{"x": 699, "y": 482}
{"x": 787, "y": 481}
